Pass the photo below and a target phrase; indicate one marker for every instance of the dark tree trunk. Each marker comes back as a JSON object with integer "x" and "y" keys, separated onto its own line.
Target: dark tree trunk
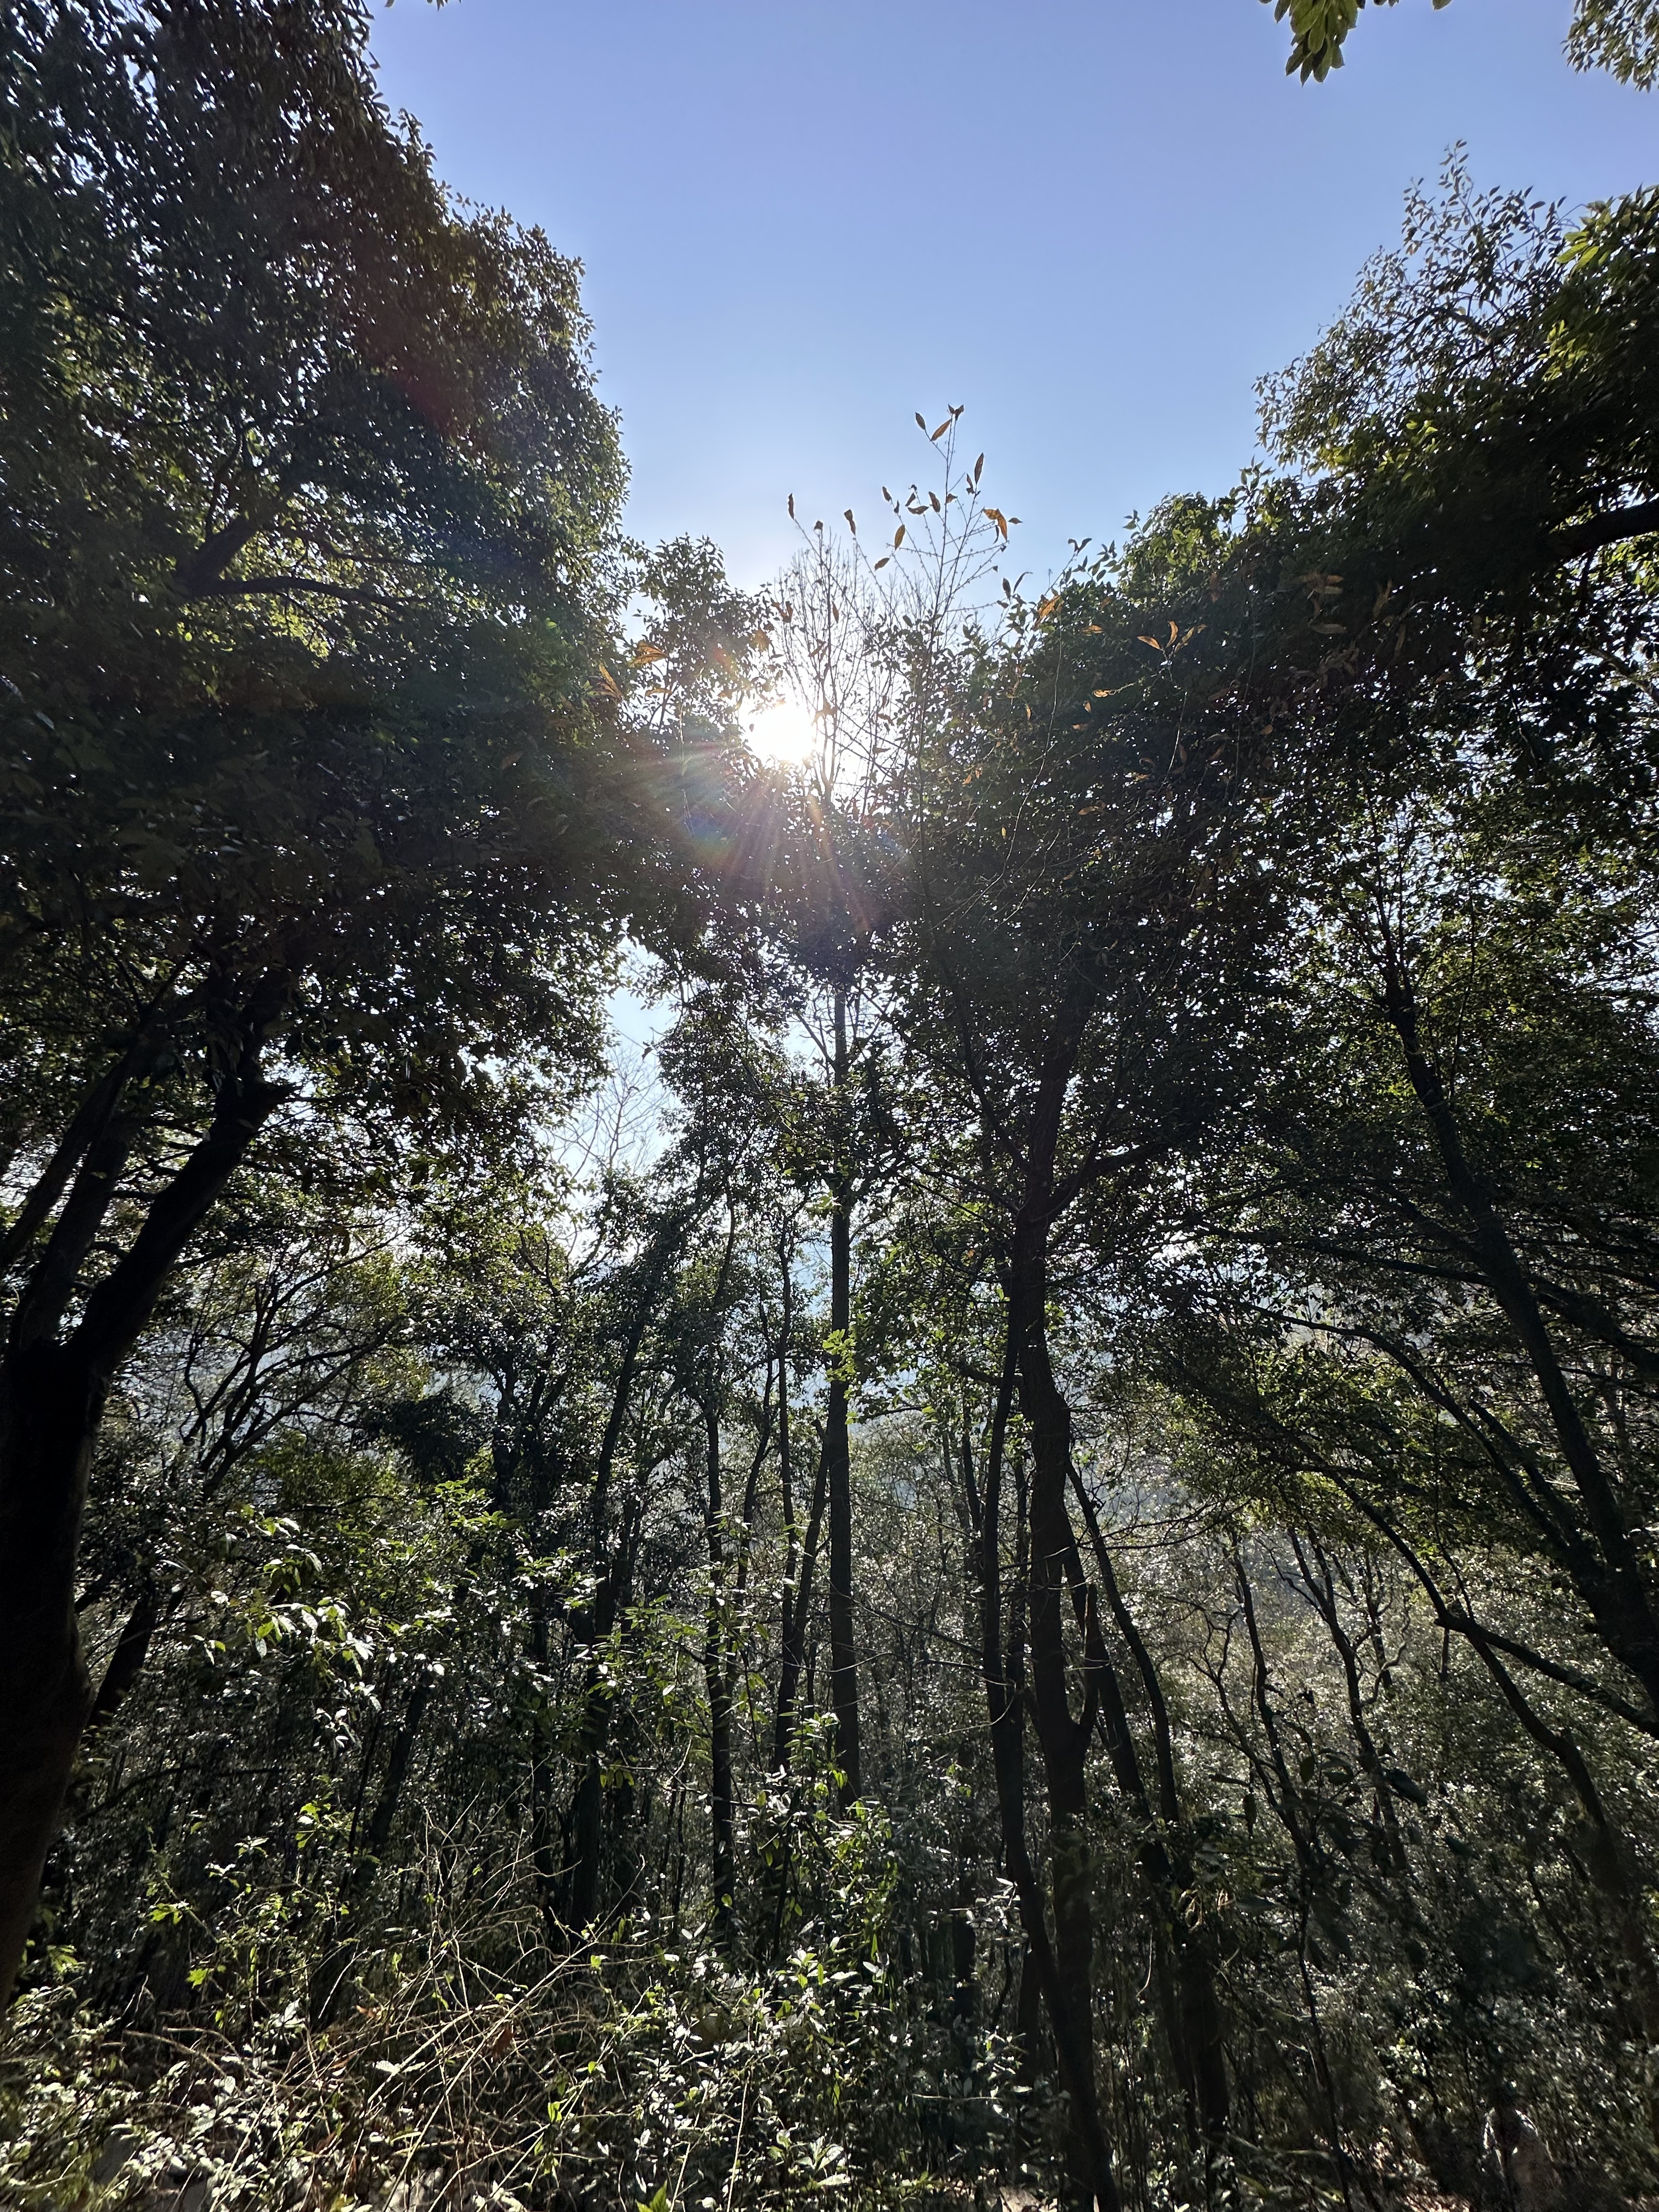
{"x": 1072, "y": 2020}
{"x": 1191, "y": 2006}
{"x": 50, "y": 1412}
{"x": 592, "y": 1623}
{"x": 801, "y": 1558}
{"x": 594, "y": 1627}
{"x": 125, "y": 1665}
{"x": 722, "y": 1809}
{"x": 52, "y": 1391}
{"x": 843, "y": 1647}
{"x": 126, "y": 1662}
{"x": 1064, "y": 1737}
{"x": 797, "y": 1616}
{"x": 1282, "y": 1794}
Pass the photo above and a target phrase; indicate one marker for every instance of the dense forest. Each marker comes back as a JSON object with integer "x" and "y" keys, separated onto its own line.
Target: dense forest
{"x": 930, "y": 1479}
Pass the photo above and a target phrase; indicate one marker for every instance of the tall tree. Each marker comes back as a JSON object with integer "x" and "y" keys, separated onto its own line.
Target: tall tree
{"x": 306, "y": 809}
{"x": 1076, "y": 918}
{"x": 827, "y": 633}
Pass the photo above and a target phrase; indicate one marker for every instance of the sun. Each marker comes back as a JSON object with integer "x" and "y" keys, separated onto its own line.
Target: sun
{"x": 782, "y": 733}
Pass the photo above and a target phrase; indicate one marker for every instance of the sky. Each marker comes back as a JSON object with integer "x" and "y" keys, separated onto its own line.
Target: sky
{"x": 1092, "y": 224}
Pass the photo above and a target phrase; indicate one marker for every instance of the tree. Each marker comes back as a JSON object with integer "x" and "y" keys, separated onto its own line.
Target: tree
{"x": 1437, "y": 1291}
{"x": 1076, "y": 909}
{"x": 1485, "y": 714}
{"x": 856, "y": 655}
{"x": 827, "y": 633}
{"x": 307, "y": 815}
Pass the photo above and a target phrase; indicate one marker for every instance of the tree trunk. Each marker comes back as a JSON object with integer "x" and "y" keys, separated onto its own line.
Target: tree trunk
{"x": 126, "y": 1662}
{"x": 798, "y": 1566}
{"x": 843, "y": 1648}
{"x": 1283, "y": 1800}
{"x": 722, "y": 1809}
{"x": 1072, "y": 2025}
{"x": 1191, "y": 2007}
{"x": 591, "y": 1624}
{"x": 49, "y": 1415}
{"x": 797, "y": 1614}
{"x": 1064, "y": 1737}
{"x": 558, "y": 1914}
{"x": 53, "y": 1394}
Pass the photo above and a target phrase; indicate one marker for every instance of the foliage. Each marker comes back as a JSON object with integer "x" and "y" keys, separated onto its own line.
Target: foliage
{"x": 1621, "y": 36}
{"x": 1017, "y": 1556}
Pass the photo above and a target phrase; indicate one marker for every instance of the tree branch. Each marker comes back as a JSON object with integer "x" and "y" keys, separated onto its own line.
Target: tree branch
{"x": 1641, "y": 521}
{"x": 231, "y": 587}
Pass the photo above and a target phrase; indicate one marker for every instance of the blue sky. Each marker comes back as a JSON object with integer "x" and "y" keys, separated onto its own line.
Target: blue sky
{"x": 1093, "y": 223}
